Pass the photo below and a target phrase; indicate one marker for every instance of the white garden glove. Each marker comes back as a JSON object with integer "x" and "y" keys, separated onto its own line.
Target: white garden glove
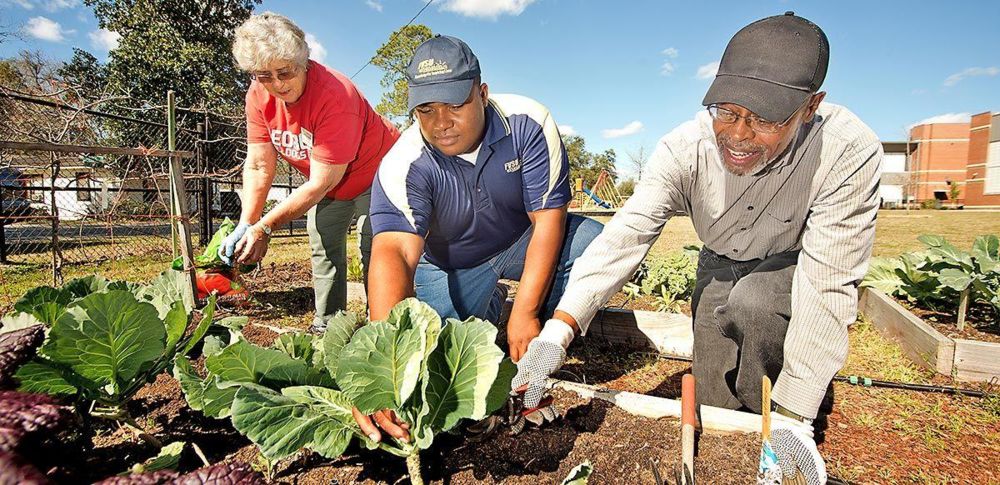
{"x": 796, "y": 450}
{"x": 545, "y": 355}
{"x": 228, "y": 246}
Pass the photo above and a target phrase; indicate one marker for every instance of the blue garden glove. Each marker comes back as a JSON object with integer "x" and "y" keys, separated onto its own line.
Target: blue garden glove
{"x": 228, "y": 246}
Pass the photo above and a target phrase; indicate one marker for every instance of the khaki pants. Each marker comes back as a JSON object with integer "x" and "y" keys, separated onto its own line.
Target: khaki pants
{"x": 328, "y": 223}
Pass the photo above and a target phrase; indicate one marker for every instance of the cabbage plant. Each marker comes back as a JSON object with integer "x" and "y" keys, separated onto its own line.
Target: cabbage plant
{"x": 299, "y": 392}
{"x": 105, "y": 340}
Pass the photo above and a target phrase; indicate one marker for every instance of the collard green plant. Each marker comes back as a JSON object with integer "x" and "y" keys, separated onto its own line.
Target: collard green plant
{"x": 105, "y": 340}
{"x": 934, "y": 278}
{"x": 299, "y": 393}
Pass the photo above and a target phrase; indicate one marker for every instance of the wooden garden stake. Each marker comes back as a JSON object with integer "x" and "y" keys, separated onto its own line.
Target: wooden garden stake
{"x": 178, "y": 205}
{"x": 963, "y": 307}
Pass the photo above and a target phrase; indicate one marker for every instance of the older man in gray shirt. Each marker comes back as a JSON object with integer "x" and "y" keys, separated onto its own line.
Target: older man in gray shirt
{"x": 782, "y": 188}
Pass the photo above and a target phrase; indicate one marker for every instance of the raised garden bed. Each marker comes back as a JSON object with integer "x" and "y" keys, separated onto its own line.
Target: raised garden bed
{"x": 963, "y": 359}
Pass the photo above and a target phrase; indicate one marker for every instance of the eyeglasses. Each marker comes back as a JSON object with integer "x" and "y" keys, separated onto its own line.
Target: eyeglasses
{"x": 760, "y": 125}
{"x": 281, "y": 74}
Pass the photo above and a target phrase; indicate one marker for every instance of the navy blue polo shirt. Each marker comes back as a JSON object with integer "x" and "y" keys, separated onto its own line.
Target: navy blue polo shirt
{"x": 467, "y": 213}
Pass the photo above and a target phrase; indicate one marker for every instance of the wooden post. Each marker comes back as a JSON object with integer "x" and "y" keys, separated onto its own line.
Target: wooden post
{"x": 54, "y": 209}
{"x": 963, "y": 307}
{"x": 178, "y": 205}
{"x": 3, "y": 231}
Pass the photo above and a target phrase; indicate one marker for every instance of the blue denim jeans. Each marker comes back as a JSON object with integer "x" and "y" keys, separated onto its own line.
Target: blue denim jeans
{"x": 465, "y": 292}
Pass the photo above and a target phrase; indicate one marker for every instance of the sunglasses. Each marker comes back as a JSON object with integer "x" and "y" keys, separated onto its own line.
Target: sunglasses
{"x": 281, "y": 75}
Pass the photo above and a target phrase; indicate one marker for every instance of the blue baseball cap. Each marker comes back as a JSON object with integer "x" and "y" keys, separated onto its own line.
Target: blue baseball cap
{"x": 442, "y": 70}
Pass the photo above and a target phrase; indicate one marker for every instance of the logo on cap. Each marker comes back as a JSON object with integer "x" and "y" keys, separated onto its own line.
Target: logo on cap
{"x": 431, "y": 67}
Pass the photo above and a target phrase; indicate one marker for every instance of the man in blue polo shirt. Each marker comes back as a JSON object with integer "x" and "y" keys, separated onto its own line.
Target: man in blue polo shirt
{"x": 475, "y": 191}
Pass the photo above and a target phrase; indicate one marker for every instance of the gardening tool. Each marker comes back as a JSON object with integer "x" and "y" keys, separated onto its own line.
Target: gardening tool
{"x": 684, "y": 473}
{"x": 518, "y": 416}
{"x": 685, "y": 476}
{"x": 768, "y": 472}
{"x": 514, "y": 417}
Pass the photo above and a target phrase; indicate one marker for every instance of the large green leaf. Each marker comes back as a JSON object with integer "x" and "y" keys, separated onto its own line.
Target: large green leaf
{"x": 382, "y": 364}
{"x": 107, "y": 338}
{"x": 211, "y": 396}
{"x": 87, "y": 285}
{"x": 882, "y": 275}
{"x": 43, "y": 377}
{"x": 18, "y": 320}
{"x": 986, "y": 251}
{"x": 339, "y": 330}
{"x": 245, "y": 362}
{"x": 955, "y": 279}
{"x": 500, "y": 391}
{"x": 199, "y": 332}
{"x": 461, "y": 372}
{"x": 281, "y": 424}
{"x": 296, "y": 345}
{"x": 175, "y": 323}
{"x": 948, "y": 253}
{"x": 164, "y": 290}
{"x": 46, "y": 303}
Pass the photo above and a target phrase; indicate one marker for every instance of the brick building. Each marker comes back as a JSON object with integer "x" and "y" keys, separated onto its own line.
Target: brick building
{"x": 982, "y": 179}
{"x": 966, "y": 154}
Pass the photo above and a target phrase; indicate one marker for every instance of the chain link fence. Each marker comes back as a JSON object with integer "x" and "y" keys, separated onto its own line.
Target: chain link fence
{"x": 85, "y": 184}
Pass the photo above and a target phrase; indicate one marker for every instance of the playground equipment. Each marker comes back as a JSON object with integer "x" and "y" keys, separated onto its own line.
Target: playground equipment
{"x": 603, "y": 195}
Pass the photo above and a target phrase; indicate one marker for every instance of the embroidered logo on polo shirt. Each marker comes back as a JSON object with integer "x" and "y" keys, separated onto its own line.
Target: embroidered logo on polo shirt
{"x": 513, "y": 165}
{"x": 431, "y": 67}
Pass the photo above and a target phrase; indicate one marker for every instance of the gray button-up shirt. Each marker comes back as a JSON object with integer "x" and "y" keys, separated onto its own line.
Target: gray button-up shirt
{"x": 821, "y": 197}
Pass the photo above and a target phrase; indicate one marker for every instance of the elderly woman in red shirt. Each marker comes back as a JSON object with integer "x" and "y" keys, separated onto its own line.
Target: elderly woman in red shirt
{"x": 321, "y": 125}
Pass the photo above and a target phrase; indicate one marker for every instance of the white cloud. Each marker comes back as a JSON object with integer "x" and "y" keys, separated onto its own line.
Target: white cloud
{"x": 374, "y": 5}
{"x": 566, "y": 130}
{"x": 104, "y": 39}
{"x": 46, "y": 29}
{"x": 970, "y": 72}
{"x": 629, "y": 129}
{"x": 50, "y": 5}
{"x": 486, "y": 9}
{"x": 708, "y": 71}
{"x": 56, "y": 5}
{"x": 945, "y": 118}
{"x": 25, "y": 4}
{"x": 668, "y": 67}
{"x": 316, "y": 50}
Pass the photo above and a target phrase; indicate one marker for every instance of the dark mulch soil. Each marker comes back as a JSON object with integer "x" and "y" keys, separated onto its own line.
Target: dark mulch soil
{"x": 980, "y": 322}
{"x": 622, "y": 448}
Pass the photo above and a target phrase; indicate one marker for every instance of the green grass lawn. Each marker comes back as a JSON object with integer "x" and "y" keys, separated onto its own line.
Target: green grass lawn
{"x": 896, "y": 232}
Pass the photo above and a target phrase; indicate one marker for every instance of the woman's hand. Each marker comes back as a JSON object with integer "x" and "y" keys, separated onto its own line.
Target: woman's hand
{"x": 253, "y": 246}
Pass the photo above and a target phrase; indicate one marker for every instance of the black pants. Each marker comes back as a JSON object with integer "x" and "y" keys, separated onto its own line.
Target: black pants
{"x": 741, "y": 311}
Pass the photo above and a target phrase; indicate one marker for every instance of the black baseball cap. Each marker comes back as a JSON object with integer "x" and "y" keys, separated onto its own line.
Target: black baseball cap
{"x": 442, "y": 70}
{"x": 771, "y": 66}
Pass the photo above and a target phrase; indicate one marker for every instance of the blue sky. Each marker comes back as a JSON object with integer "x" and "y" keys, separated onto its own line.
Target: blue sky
{"x": 623, "y": 73}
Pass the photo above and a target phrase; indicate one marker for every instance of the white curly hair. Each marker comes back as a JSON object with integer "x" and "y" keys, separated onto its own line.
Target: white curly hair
{"x": 266, "y": 38}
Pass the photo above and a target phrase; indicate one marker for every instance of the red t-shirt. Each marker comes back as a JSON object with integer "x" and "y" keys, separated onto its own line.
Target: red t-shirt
{"x": 331, "y": 122}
